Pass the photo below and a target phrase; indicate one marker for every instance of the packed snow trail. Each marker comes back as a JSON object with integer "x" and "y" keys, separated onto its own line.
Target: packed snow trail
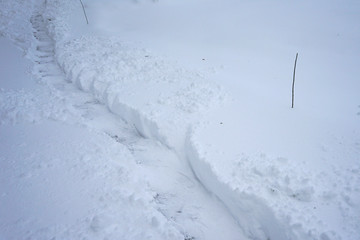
{"x": 182, "y": 209}
{"x": 44, "y": 51}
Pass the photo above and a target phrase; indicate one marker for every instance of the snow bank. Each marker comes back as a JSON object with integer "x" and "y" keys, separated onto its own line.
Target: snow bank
{"x": 141, "y": 88}
{"x": 289, "y": 197}
{"x": 251, "y": 212}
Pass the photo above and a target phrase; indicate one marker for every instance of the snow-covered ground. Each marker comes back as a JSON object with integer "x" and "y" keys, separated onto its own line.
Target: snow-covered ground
{"x": 172, "y": 120}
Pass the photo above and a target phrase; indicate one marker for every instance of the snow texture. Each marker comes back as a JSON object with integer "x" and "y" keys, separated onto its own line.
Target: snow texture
{"x": 180, "y": 157}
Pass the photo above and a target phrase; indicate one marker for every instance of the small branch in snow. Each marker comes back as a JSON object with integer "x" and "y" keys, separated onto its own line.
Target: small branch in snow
{"x": 87, "y": 22}
{"x": 293, "y": 83}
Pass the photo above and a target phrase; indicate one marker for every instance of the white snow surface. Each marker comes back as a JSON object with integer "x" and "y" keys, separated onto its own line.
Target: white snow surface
{"x": 172, "y": 120}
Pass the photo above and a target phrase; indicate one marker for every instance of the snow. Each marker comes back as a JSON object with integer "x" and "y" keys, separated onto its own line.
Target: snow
{"x": 61, "y": 176}
{"x": 49, "y": 188}
{"x": 172, "y": 120}
{"x": 141, "y": 89}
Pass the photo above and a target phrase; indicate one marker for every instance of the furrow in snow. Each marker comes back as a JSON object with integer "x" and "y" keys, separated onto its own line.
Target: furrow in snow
{"x": 101, "y": 84}
{"x": 161, "y": 101}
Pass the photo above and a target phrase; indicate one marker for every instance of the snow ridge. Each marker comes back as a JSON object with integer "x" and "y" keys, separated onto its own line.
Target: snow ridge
{"x": 140, "y": 88}
{"x": 251, "y": 212}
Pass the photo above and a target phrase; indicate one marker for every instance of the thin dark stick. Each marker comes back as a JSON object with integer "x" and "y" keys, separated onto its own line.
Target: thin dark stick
{"x": 293, "y": 83}
{"x": 87, "y": 22}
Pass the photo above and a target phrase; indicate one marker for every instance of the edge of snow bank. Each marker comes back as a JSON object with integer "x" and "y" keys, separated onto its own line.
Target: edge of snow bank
{"x": 142, "y": 89}
{"x": 251, "y": 212}
{"x": 157, "y": 96}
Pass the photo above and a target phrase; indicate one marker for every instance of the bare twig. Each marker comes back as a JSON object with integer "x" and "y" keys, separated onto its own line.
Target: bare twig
{"x": 293, "y": 83}
{"x": 87, "y": 22}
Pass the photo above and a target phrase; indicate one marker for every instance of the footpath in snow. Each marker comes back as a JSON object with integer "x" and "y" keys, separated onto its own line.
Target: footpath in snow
{"x": 235, "y": 163}
{"x": 72, "y": 170}
{"x": 62, "y": 174}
